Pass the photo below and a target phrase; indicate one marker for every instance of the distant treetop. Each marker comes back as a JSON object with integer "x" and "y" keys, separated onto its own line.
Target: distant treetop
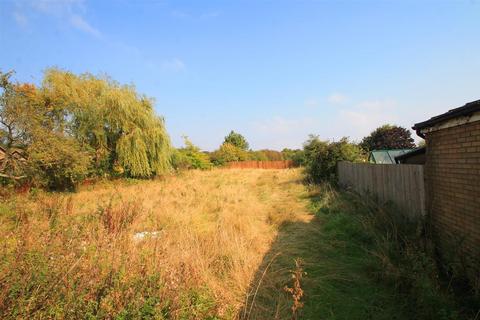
{"x": 237, "y": 140}
{"x": 388, "y": 137}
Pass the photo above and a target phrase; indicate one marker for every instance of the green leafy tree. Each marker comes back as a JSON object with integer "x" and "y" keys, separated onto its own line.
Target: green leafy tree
{"x": 229, "y": 153}
{"x": 13, "y": 135}
{"x": 190, "y": 157}
{"x": 388, "y": 137}
{"x": 258, "y": 156}
{"x": 296, "y": 155}
{"x": 38, "y": 146}
{"x": 321, "y": 157}
{"x": 272, "y": 155}
{"x": 57, "y": 162}
{"x": 237, "y": 140}
{"x": 77, "y": 125}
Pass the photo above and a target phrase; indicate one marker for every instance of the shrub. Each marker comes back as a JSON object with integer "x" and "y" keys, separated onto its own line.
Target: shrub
{"x": 271, "y": 155}
{"x": 190, "y": 157}
{"x": 180, "y": 161}
{"x": 258, "y": 156}
{"x": 321, "y": 157}
{"x": 228, "y": 153}
{"x": 296, "y": 155}
{"x": 57, "y": 163}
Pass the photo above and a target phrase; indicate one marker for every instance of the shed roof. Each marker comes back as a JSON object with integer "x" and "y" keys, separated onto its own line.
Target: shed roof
{"x": 465, "y": 110}
{"x": 411, "y": 153}
{"x": 386, "y": 156}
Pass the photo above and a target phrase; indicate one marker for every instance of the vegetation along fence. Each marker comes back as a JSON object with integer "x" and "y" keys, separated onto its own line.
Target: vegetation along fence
{"x": 282, "y": 164}
{"x": 401, "y": 184}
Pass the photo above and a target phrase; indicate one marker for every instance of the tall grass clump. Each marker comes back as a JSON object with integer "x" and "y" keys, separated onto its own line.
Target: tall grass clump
{"x": 118, "y": 218}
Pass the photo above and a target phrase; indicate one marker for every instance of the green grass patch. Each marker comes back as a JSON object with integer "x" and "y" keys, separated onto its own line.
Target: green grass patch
{"x": 338, "y": 280}
{"x": 371, "y": 263}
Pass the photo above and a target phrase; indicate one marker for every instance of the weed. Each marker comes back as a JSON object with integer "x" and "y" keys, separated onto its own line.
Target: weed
{"x": 197, "y": 304}
{"x": 296, "y": 290}
{"x": 52, "y": 207}
{"x": 116, "y": 218}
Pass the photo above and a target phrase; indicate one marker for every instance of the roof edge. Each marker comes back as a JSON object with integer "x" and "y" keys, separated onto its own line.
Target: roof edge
{"x": 463, "y": 111}
{"x": 416, "y": 151}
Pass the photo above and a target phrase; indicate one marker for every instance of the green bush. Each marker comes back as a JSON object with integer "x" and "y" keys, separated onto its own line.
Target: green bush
{"x": 296, "y": 155}
{"x": 321, "y": 157}
{"x": 228, "y": 153}
{"x": 271, "y": 155}
{"x": 190, "y": 157}
{"x": 258, "y": 156}
{"x": 57, "y": 163}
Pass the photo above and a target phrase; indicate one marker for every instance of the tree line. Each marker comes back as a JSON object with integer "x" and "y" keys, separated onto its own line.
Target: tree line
{"x": 70, "y": 127}
{"x": 234, "y": 148}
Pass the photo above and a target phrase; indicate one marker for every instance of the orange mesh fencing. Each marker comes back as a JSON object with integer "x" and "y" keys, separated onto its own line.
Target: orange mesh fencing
{"x": 283, "y": 164}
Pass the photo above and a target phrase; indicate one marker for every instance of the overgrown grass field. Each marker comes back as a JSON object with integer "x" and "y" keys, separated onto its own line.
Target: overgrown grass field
{"x": 218, "y": 244}
{"x": 186, "y": 247}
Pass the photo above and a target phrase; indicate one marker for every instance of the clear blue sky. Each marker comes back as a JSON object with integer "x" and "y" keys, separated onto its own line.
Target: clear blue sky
{"x": 274, "y": 71}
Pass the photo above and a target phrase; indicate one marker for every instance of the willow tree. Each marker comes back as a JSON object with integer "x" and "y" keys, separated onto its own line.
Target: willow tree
{"x": 119, "y": 124}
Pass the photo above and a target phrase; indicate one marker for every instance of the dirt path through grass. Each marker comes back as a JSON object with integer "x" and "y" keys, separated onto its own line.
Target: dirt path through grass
{"x": 324, "y": 251}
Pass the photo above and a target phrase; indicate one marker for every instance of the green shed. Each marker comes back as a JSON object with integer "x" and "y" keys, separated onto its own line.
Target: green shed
{"x": 386, "y": 156}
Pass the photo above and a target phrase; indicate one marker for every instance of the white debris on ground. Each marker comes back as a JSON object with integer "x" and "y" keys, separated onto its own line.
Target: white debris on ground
{"x": 139, "y": 236}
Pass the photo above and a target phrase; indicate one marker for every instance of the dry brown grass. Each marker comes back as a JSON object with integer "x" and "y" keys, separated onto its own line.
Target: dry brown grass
{"x": 75, "y": 255}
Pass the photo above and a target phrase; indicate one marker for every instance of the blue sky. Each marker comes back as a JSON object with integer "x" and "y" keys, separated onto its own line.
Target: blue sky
{"x": 274, "y": 71}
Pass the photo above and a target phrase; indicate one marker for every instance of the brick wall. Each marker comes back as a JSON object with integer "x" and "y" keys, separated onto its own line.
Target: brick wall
{"x": 452, "y": 175}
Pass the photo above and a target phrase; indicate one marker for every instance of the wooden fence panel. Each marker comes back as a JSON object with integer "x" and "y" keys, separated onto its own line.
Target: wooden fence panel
{"x": 402, "y": 184}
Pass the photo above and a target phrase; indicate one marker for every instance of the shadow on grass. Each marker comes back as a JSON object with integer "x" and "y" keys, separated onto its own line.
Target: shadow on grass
{"x": 328, "y": 253}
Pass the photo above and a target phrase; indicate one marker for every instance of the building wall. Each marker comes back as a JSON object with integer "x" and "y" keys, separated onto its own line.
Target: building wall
{"x": 452, "y": 175}
{"x": 416, "y": 159}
